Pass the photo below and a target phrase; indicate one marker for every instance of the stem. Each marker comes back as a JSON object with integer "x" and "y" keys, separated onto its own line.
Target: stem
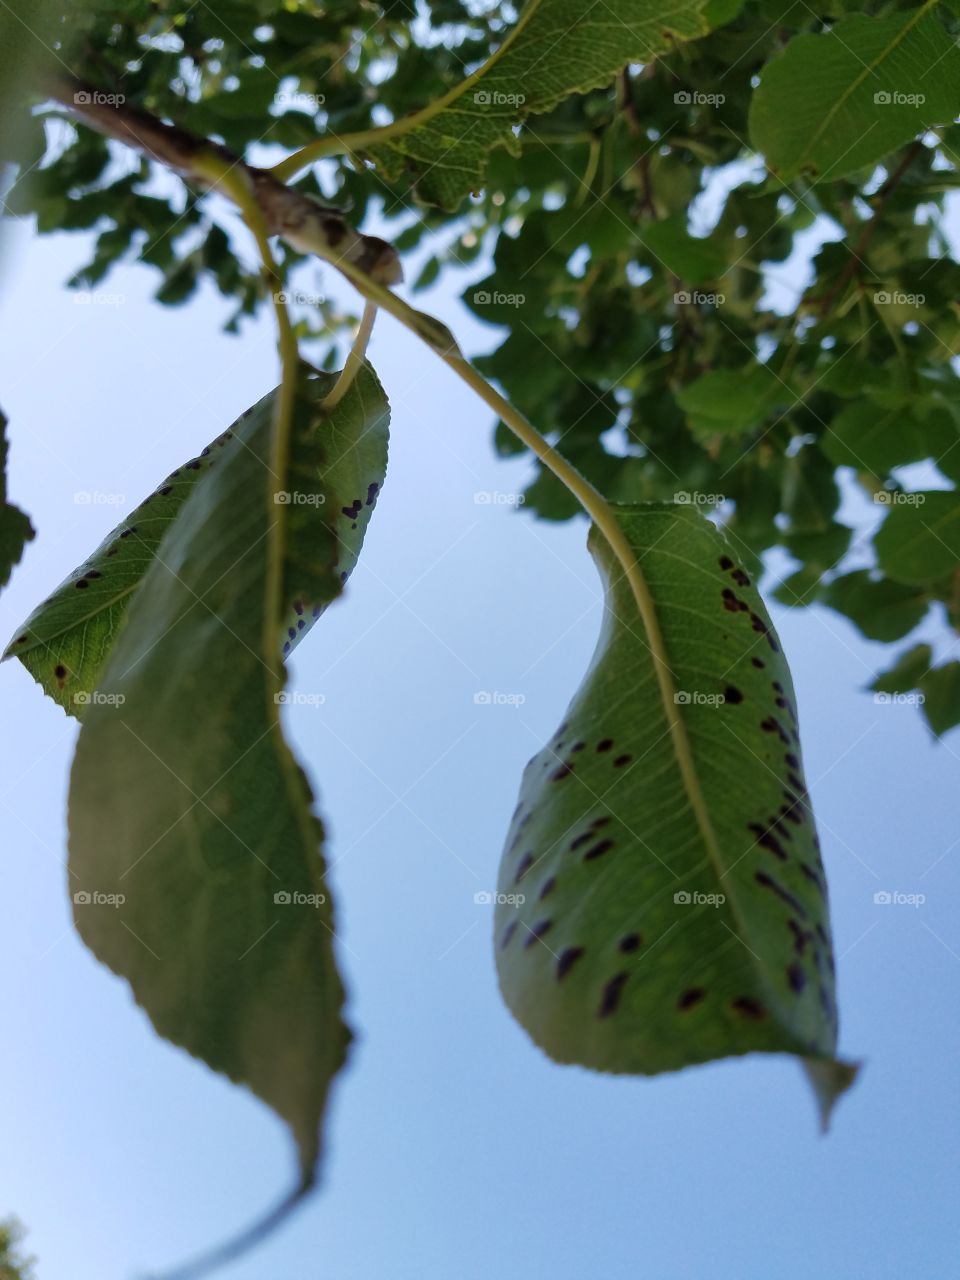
{"x": 238, "y": 186}
{"x": 354, "y": 360}
{"x": 441, "y": 341}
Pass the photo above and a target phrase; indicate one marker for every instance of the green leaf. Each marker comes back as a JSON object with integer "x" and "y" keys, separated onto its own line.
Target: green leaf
{"x": 941, "y": 697}
{"x": 731, "y": 401}
{"x": 833, "y": 103}
{"x": 661, "y": 899}
{"x": 882, "y": 609}
{"x": 671, "y": 245}
{"x": 15, "y": 527}
{"x": 876, "y": 441}
{"x": 906, "y": 672}
{"x": 194, "y": 852}
{"x": 67, "y": 639}
{"x": 558, "y": 47}
{"x": 919, "y": 541}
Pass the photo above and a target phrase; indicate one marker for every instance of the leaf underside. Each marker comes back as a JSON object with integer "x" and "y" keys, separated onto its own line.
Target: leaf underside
{"x": 558, "y": 47}
{"x": 67, "y": 639}
{"x": 648, "y": 938}
{"x": 194, "y": 852}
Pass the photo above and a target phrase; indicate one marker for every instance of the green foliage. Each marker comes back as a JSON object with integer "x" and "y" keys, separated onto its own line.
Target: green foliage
{"x": 15, "y": 528}
{"x": 671, "y": 895}
{"x": 13, "y": 1264}
{"x": 209, "y": 897}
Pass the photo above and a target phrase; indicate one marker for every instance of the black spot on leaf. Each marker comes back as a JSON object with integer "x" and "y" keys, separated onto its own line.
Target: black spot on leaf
{"x": 692, "y": 996}
{"x": 611, "y": 995}
{"x": 537, "y": 932}
{"x": 568, "y": 959}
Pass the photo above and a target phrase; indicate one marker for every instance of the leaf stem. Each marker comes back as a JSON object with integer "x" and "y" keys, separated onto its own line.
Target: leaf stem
{"x": 236, "y": 183}
{"x": 354, "y": 360}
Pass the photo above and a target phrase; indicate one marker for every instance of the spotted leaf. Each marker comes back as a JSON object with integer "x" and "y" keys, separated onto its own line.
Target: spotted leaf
{"x": 662, "y": 901}
{"x": 195, "y": 855}
{"x": 67, "y": 639}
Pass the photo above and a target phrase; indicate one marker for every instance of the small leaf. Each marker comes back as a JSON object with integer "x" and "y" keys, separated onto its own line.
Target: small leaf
{"x": 194, "y": 852}
{"x": 919, "y": 541}
{"x": 833, "y": 103}
{"x": 670, "y": 245}
{"x": 906, "y": 672}
{"x": 732, "y": 401}
{"x": 882, "y": 609}
{"x": 67, "y": 639}
{"x": 15, "y": 527}
{"x": 661, "y": 899}
{"x": 941, "y": 697}
{"x": 876, "y": 441}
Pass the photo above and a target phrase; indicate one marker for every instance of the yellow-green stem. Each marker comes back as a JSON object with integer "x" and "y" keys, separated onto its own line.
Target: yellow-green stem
{"x": 354, "y": 360}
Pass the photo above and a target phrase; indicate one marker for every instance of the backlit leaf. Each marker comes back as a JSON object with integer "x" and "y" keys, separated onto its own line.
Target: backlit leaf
{"x": 919, "y": 541}
{"x": 662, "y": 900}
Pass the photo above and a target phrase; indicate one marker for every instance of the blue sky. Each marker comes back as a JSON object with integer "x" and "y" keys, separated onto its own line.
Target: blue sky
{"x": 456, "y": 1149}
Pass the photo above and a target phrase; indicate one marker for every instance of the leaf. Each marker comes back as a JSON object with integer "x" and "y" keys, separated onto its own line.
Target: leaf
{"x": 194, "y": 851}
{"x": 919, "y": 541}
{"x": 731, "y": 401}
{"x": 672, "y": 902}
{"x": 671, "y": 246}
{"x": 877, "y": 441}
{"x": 557, "y": 47}
{"x": 906, "y": 672}
{"x": 941, "y": 697}
{"x": 15, "y": 527}
{"x": 881, "y": 608}
{"x": 67, "y": 639}
{"x": 833, "y": 103}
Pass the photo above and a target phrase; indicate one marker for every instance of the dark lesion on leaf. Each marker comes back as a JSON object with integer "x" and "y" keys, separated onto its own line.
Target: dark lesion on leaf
{"x": 610, "y": 999}
{"x": 690, "y": 998}
{"x": 568, "y": 958}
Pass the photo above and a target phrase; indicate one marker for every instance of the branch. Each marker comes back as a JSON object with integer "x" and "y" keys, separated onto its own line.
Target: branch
{"x": 303, "y": 222}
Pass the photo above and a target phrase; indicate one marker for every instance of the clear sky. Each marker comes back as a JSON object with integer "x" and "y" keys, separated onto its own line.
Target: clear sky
{"x": 457, "y": 1151}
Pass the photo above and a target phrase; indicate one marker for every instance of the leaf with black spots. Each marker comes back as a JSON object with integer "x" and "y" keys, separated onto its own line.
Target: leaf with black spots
{"x": 67, "y": 639}
{"x": 195, "y": 853}
{"x": 687, "y": 917}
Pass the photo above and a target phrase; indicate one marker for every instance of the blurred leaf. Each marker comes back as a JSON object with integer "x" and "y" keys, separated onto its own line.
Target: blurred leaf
{"x": 653, "y": 917}
{"x": 832, "y": 103}
{"x": 731, "y": 401}
{"x": 919, "y": 541}
{"x": 941, "y": 692}
{"x": 194, "y": 851}
{"x": 906, "y": 672}
{"x": 882, "y": 609}
{"x": 15, "y": 528}
{"x": 693, "y": 261}
{"x": 876, "y": 441}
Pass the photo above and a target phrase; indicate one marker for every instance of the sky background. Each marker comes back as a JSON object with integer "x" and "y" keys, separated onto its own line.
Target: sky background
{"x": 456, "y": 1149}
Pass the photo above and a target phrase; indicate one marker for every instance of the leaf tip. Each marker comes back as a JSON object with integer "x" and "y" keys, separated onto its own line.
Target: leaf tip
{"x": 830, "y": 1078}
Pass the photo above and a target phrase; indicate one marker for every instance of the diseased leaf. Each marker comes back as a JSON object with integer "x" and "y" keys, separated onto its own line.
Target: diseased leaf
{"x": 67, "y": 639}
{"x": 832, "y": 103}
{"x": 672, "y": 901}
{"x": 15, "y": 527}
{"x": 919, "y": 541}
{"x": 194, "y": 851}
{"x": 557, "y": 47}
